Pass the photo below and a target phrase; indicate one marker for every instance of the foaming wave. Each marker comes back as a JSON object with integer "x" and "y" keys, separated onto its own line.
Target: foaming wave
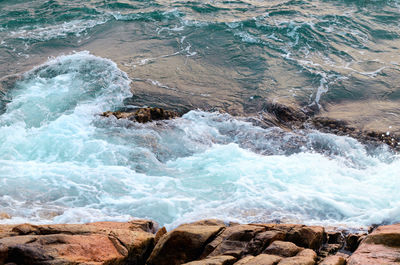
{"x": 63, "y": 162}
{"x": 75, "y": 27}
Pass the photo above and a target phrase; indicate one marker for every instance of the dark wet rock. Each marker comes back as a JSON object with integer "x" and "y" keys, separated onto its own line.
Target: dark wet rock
{"x": 183, "y": 244}
{"x": 352, "y": 241}
{"x": 143, "y": 115}
{"x": 286, "y": 114}
{"x": 8, "y": 82}
{"x": 283, "y": 249}
{"x": 335, "y": 237}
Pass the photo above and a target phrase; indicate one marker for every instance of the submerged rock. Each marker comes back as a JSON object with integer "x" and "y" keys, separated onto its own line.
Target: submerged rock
{"x": 143, "y": 115}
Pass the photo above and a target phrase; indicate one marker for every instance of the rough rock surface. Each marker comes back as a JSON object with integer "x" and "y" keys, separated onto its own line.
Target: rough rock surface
{"x": 333, "y": 260}
{"x": 381, "y": 247}
{"x": 183, "y": 244}
{"x": 232, "y": 241}
{"x": 262, "y": 259}
{"x": 283, "y": 249}
{"x": 143, "y": 115}
{"x": 93, "y": 243}
{"x": 206, "y": 242}
{"x": 217, "y": 260}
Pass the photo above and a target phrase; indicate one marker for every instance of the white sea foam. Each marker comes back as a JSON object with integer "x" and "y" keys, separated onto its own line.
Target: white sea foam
{"x": 44, "y": 33}
{"x": 62, "y": 162}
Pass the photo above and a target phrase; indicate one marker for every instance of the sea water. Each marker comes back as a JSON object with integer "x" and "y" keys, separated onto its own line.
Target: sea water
{"x": 62, "y": 162}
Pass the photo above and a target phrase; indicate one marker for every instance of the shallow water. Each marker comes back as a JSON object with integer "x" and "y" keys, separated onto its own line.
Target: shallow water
{"x": 60, "y": 161}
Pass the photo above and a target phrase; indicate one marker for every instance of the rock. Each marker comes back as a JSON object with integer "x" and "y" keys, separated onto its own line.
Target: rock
{"x": 335, "y": 237}
{"x": 380, "y": 247}
{"x": 263, "y": 240}
{"x": 285, "y": 114}
{"x": 25, "y": 229}
{"x": 95, "y": 243}
{"x": 217, "y": 260}
{"x": 183, "y": 244}
{"x": 297, "y": 261}
{"x": 307, "y": 253}
{"x": 262, "y": 259}
{"x": 332, "y": 248}
{"x": 159, "y": 234}
{"x": 352, "y": 241}
{"x": 333, "y": 260}
{"x": 4, "y": 215}
{"x": 283, "y": 249}
{"x": 232, "y": 241}
{"x": 307, "y": 236}
{"x": 143, "y": 115}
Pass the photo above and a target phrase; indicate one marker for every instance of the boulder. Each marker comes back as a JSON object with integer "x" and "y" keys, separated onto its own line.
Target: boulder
{"x": 381, "y": 247}
{"x": 232, "y": 241}
{"x": 297, "y": 261}
{"x": 333, "y": 260}
{"x": 283, "y": 249}
{"x": 217, "y": 260}
{"x": 352, "y": 241}
{"x": 263, "y": 240}
{"x": 159, "y": 234}
{"x": 95, "y": 243}
{"x": 262, "y": 259}
{"x": 183, "y": 244}
{"x": 307, "y": 236}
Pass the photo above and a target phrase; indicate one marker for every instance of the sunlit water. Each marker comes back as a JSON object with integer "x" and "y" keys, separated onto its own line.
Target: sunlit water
{"x": 60, "y": 161}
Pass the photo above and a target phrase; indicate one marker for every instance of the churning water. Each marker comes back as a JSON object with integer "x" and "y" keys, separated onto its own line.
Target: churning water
{"x": 60, "y": 161}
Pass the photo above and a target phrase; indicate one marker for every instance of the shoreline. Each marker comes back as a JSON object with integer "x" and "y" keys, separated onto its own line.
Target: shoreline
{"x": 205, "y": 242}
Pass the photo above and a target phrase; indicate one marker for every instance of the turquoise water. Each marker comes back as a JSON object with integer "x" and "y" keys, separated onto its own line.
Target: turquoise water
{"x": 60, "y": 161}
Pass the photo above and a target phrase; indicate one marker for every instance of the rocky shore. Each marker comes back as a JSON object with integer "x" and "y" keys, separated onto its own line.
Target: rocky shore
{"x": 206, "y": 242}
{"x": 274, "y": 114}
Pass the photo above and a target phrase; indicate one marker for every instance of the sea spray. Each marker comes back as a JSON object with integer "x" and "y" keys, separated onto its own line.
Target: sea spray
{"x": 60, "y": 161}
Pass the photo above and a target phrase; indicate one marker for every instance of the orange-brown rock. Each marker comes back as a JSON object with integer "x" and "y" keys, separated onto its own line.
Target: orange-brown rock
{"x": 381, "y": 247}
{"x": 283, "y": 249}
{"x": 262, "y": 259}
{"x": 263, "y": 240}
{"x": 297, "y": 261}
{"x": 307, "y": 236}
{"x": 217, "y": 260}
{"x": 183, "y": 244}
{"x": 333, "y": 260}
{"x": 232, "y": 241}
{"x": 304, "y": 257}
{"x": 159, "y": 234}
{"x": 94, "y": 243}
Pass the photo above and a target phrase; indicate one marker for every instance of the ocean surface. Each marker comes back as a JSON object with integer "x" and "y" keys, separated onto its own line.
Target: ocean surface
{"x": 61, "y": 162}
